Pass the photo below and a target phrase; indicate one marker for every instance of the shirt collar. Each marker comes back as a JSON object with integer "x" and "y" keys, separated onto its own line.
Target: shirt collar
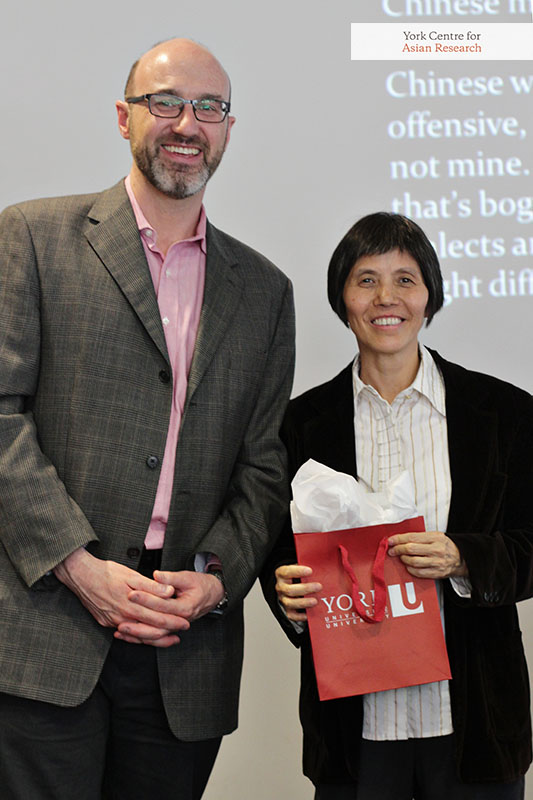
{"x": 428, "y": 382}
{"x": 146, "y": 229}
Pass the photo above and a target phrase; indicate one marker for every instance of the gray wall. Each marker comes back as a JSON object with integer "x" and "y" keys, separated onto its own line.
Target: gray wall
{"x": 310, "y": 153}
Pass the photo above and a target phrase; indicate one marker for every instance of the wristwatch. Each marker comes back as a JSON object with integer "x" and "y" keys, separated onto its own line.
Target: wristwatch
{"x": 220, "y": 607}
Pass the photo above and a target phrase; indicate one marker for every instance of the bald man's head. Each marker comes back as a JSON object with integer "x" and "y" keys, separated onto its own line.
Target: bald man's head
{"x": 184, "y": 45}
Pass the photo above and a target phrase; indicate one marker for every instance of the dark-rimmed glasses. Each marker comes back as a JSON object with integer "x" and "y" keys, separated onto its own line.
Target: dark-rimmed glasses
{"x": 206, "y": 109}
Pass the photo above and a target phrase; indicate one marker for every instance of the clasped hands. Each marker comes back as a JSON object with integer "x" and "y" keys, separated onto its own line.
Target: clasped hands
{"x": 430, "y": 554}
{"x": 143, "y": 611}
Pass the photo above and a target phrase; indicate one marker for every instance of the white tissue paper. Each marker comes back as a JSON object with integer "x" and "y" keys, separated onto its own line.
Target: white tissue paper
{"x": 326, "y": 500}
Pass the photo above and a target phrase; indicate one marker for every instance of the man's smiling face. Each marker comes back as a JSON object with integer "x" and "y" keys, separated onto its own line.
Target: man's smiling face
{"x": 177, "y": 156}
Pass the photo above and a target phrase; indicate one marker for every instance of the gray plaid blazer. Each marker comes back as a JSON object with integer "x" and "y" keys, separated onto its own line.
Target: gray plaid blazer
{"x": 84, "y": 405}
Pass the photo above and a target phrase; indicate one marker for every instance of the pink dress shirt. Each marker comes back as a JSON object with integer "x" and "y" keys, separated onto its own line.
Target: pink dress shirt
{"x": 178, "y": 280}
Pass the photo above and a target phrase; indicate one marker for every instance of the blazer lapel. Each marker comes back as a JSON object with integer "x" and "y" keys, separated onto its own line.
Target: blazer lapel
{"x": 331, "y": 431}
{"x": 223, "y": 288}
{"x": 113, "y": 234}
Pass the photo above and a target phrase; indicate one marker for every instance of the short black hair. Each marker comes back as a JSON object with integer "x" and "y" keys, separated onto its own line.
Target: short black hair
{"x": 377, "y": 234}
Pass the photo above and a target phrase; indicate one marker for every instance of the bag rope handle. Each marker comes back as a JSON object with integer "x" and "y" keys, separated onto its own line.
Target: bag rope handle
{"x": 378, "y": 581}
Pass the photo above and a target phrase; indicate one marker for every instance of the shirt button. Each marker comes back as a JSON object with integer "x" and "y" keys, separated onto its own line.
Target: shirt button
{"x": 152, "y": 462}
{"x": 168, "y": 273}
{"x": 133, "y": 552}
{"x": 149, "y": 233}
{"x": 165, "y": 320}
{"x": 164, "y": 376}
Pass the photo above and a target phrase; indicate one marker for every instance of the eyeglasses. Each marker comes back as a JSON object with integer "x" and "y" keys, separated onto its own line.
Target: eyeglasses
{"x": 169, "y": 105}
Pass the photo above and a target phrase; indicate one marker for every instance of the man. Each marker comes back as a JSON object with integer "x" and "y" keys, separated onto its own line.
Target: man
{"x": 145, "y": 362}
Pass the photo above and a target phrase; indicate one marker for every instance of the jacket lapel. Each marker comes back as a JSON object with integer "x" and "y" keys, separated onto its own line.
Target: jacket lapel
{"x": 223, "y": 288}
{"x": 113, "y": 234}
{"x": 331, "y": 431}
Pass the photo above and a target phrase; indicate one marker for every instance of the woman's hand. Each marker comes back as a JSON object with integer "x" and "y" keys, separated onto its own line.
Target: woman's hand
{"x": 293, "y": 595}
{"x": 431, "y": 554}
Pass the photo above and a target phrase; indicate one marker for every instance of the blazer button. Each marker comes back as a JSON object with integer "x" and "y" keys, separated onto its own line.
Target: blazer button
{"x": 133, "y": 552}
{"x": 164, "y": 376}
{"x": 152, "y": 462}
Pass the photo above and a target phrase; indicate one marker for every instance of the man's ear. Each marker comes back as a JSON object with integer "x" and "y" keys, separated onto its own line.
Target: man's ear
{"x": 231, "y": 122}
{"x": 123, "y": 118}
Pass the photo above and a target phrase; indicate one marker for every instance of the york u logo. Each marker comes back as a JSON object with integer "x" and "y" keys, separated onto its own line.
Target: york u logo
{"x": 402, "y": 601}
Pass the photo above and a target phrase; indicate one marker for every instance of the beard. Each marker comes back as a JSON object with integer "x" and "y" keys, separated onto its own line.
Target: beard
{"x": 177, "y": 181}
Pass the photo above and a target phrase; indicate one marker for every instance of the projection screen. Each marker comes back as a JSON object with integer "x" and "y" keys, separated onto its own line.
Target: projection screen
{"x": 320, "y": 140}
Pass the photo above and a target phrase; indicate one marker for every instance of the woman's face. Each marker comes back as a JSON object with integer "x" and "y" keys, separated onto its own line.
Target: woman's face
{"x": 386, "y": 298}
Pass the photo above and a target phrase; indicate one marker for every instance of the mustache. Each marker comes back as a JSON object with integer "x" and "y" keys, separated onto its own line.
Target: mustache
{"x": 185, "y": 141}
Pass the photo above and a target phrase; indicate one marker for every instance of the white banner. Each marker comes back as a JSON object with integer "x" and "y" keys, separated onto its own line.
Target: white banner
{"x": 394, "y": 41}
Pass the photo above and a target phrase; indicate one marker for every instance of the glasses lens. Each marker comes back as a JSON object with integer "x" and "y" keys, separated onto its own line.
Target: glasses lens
{"x": 166, "y": 105}
{"x": 208, "y": 110}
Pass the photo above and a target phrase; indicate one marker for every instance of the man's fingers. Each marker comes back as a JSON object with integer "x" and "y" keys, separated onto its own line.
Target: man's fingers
{"x": 145, "y": 632}
{"x": 103, "y": 588}
{"x": 143, "y": 584}
{"x": 196, "y": 593}
{"x": 166, "y": 640}
{"x": 140, "y": 611}
{"x": 177, "y": 607}
{"x": 163, "y": 604}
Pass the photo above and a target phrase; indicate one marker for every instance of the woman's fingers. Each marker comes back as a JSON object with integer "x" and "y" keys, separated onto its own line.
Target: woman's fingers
{"x": 294, "y": 595}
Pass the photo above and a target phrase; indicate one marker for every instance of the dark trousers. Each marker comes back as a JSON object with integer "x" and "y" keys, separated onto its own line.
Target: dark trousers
{"x": 117, "y": 745}
{"x": 416, "y": 769}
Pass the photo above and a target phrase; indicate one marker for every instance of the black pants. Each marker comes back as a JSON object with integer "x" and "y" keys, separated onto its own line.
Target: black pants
{"x": 416, "y": 769}
{"x": 116, "y": 745}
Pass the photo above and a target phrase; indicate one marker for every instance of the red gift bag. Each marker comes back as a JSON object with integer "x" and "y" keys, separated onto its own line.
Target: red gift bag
{"x": 375, "y": 626}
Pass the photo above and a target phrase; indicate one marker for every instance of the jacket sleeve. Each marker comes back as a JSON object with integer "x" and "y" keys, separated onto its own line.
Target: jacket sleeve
{"x": 258, "y": 494}
{"x": 498, "y": 551}
{"x": 284, "y": 550}
{"x": 39, "y": 523}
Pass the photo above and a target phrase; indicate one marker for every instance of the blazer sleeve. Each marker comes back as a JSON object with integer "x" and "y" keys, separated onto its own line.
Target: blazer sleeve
{"x": 39, "y": 523}
{"x": 258, "y": 495}
{"x": 284, "y": 550}
{"x": 497, "y": 541}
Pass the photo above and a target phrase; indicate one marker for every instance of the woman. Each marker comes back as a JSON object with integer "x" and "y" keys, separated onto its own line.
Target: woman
{"x": 467, "y": 440}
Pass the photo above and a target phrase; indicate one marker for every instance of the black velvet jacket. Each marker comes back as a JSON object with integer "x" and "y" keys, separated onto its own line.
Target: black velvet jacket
{"x": 490, "y": 441}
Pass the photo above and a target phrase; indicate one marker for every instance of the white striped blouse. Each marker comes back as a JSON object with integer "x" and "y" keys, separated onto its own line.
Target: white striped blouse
{"x": 410, "y": 433}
